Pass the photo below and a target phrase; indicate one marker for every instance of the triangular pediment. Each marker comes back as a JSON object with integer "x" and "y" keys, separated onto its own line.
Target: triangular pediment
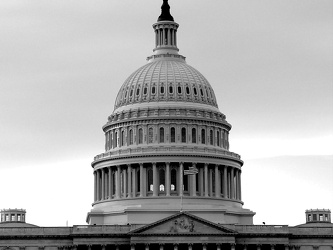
{"x": 183, "y": 223}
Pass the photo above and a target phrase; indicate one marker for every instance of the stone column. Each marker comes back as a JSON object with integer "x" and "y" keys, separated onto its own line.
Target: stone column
{"x": 225, "y": 182}
{"x": 142, "y": 181}
{"x": 155, "y": 180}
{"x": 286, "y": 247}
{"x": 167, "y": 179}
{"x": 272, "y": 246}
{"x": 204, "y": 246}
{"x": 189, "y": 246}
{"x": 95, "y": 186}
{"x": 129, "y": 182}
{"x": 103, "y": 247}
{"x": 258, "y": 246}
{"x": 240, "y": 185}
{"x": 210, "y": 171}
{"x": 110, "y": 183}
{"x": 118, "y": 187}
{"x": 194, "y": 181}
{"x": 98, "y": 184}
{"x": 132, "y": 246}
{"x": 232, "y": 184}
{"x": 146, "y": 246}
{"x": 156, "y": 38}
{"x": 161, "y": 246}
{"x": 244, "y": 247}
{"x": 233, "y": 246}
{"x": 103, "y": 183}
{"x": 218, "y": 246}
{"x": 206, "y": 179}
{"x": 175, "y": 246}
{"x": 181, "y": 172}
{"x": 169, "y": 37}
{"x": 125, "y": 183}
{"x": 217, "y": 182}
{"x": 201, "y": 182}
{"x": 134, "y": 181}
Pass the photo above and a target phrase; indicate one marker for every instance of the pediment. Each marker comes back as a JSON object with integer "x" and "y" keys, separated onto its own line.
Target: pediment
{"x": 183, "y": 223}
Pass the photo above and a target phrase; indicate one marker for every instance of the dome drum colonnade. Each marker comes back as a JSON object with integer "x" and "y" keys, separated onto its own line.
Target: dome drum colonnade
{"x": 166, "y": 119}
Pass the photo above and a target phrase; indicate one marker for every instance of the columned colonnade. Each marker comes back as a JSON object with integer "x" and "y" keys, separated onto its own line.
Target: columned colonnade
{"x": 164, "y": 179}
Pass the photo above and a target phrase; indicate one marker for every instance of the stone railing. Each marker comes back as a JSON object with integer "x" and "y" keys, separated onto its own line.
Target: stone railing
{"x": 45, "y": 231}
{"x": 276, "y": 229}
{"x": 103, "y": 229}
{"x": 166, "y": 150}
{"x": 311, "y": 230}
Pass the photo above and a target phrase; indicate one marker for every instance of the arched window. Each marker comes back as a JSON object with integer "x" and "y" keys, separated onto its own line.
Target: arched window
{"x": 194, "y": 135}
{"x": 150, "y": 180}
{"x": 131, "y": 137}
{"x": 195, "y": 91}
{"x": 150, "y": 135}
{"x": 183, "y": 134}
{"x": 179, "y": 90}
{"x": 218, "y": 138}
{"x": 153, "y": 89}
{"x": 116, "y": 140}
{"x": 140, "y": 136}
{"x": 122, "y": 138}
{"x": 170, "y": 89}
{"x": 187, "y": 90}
{"x": 161, "y": 135}
{"x": 211, "y": 137}
{"x": 145, "y": 91}
{"x": 173, "y": 134}
{"x": 203, "y": 136}
{"x": 162, "y": 89}
{"x": 173, "y": 180}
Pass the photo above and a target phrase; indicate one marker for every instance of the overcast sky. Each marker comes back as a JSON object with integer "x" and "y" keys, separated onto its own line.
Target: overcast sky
{"x": 62, "y": 62}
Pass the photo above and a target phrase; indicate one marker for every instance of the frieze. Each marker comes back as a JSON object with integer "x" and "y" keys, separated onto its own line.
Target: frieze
{"x": 182, "y": 225}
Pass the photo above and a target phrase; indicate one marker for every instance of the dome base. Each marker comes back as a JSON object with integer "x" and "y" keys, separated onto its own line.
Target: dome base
{"x": 149, "y": 210}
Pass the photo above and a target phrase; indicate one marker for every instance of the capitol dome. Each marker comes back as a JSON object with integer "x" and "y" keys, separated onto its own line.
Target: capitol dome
{"x": 167, "y": 145}
{"x": 166, "y": 79}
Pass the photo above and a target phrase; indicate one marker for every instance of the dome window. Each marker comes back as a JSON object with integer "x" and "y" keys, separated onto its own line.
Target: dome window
{"x": 125, "y": 94}
{"x": 170, "y": 89}
{"x": 131, "y": 92}
{"x": 202, "y": 94}
{"x": 153, "y": 90}
{"x": 203, "y": 136}
{"x": 137, "y": 91}
{"x": 187, "y": 90}
{"x": 162, "y": 89}
{"x": 179, "y": 90}
{"x": 195, "y": 90}
{"x": 194, "y": 135}
{"x": 145, "y": 91}
{"x": 173, "y": 135}
{"x": 161, "y": 135}
{"x": 184, "y": 135}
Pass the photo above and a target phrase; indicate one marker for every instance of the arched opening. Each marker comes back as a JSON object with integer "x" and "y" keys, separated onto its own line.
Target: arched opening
{"x": 140, "y": 136}
{"x": 211, "y": 137}
{"x": 218, "y": 138}
{"x": 161, "y": 135}
{"x": 203, "y": 136}
{"x": 150, "y": 135}
{"x": 173, "y": 134}
{"x": 194, "y": 135}
{"x": 131, "y": 137}
{"x": 116, "y": 140}
{"x": 184, "y": 135}
{"x": 122, "y": 138}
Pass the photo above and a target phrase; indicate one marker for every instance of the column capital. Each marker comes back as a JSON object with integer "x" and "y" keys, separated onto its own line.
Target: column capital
{"x": 154, "y": 163}
{"x": 129, "y": 165}
{"x": 141, "y": 164}
{"x": 194, "y": 164}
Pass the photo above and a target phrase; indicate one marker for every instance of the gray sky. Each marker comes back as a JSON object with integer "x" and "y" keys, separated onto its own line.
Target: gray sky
{"x": 62, "y": 63}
